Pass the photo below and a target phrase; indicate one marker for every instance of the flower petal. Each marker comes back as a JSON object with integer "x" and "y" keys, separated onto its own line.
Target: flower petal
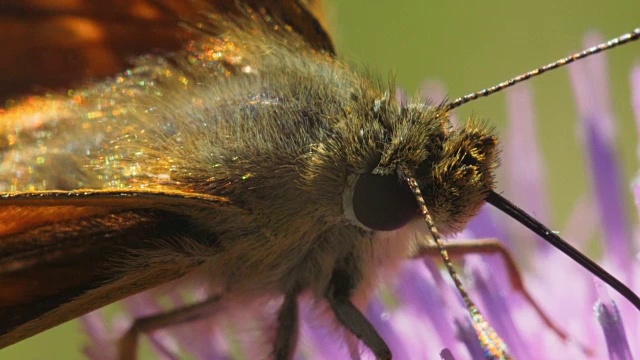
{"x": 610, "y": 320}
{"x": 590, "y": 87}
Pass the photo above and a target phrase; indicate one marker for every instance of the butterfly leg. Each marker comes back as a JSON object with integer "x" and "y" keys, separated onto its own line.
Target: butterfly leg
{"x": 351, "y": 318}
{"x": 129, "y": 342}
{"x": 494, "y": 246}
{"x": 287, "y": 334}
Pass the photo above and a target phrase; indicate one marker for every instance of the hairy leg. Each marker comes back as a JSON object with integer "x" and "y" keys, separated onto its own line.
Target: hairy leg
{"x": 494, "y": 246}
{"x": 288, "y": 329}
{"x": 129, "y": 342}
{"x": 341, "y": 285}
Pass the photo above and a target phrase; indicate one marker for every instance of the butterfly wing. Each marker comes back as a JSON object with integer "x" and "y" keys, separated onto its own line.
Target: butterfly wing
{"x": 63, "y": 254}
{"x": 73, "y": 210}
{"x": 51, "y": 45}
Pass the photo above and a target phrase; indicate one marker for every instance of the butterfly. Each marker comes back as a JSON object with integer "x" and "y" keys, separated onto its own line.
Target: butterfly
{"x": 131, "y": 212}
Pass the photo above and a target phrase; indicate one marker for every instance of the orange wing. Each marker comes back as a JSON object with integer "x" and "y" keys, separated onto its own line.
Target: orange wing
{"x": 62, "y": 253}
{"x": 51, "y": 45}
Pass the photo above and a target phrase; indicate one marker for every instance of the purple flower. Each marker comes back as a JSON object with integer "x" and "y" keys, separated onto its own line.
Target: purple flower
{"x": 420, "y": 315}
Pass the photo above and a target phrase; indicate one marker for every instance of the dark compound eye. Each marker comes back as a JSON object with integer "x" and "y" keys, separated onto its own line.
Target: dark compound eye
{"x": 383, "y": 203}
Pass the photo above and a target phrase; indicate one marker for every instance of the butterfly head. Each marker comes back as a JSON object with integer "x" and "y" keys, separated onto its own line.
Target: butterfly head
{"x": 454, "y": 168}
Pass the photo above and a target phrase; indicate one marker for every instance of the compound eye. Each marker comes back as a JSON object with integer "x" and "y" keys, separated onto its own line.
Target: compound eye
{"x": 382, "y": 203}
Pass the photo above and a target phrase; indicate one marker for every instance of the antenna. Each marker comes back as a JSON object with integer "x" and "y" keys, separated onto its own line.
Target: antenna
{"x": 489, "y": 339}
{"x": 520, "y": 215}
{"x": 620, "y": 40}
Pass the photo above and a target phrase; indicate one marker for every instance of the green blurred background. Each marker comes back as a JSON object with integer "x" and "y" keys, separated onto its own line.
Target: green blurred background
{"x": 469, "y": 46}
